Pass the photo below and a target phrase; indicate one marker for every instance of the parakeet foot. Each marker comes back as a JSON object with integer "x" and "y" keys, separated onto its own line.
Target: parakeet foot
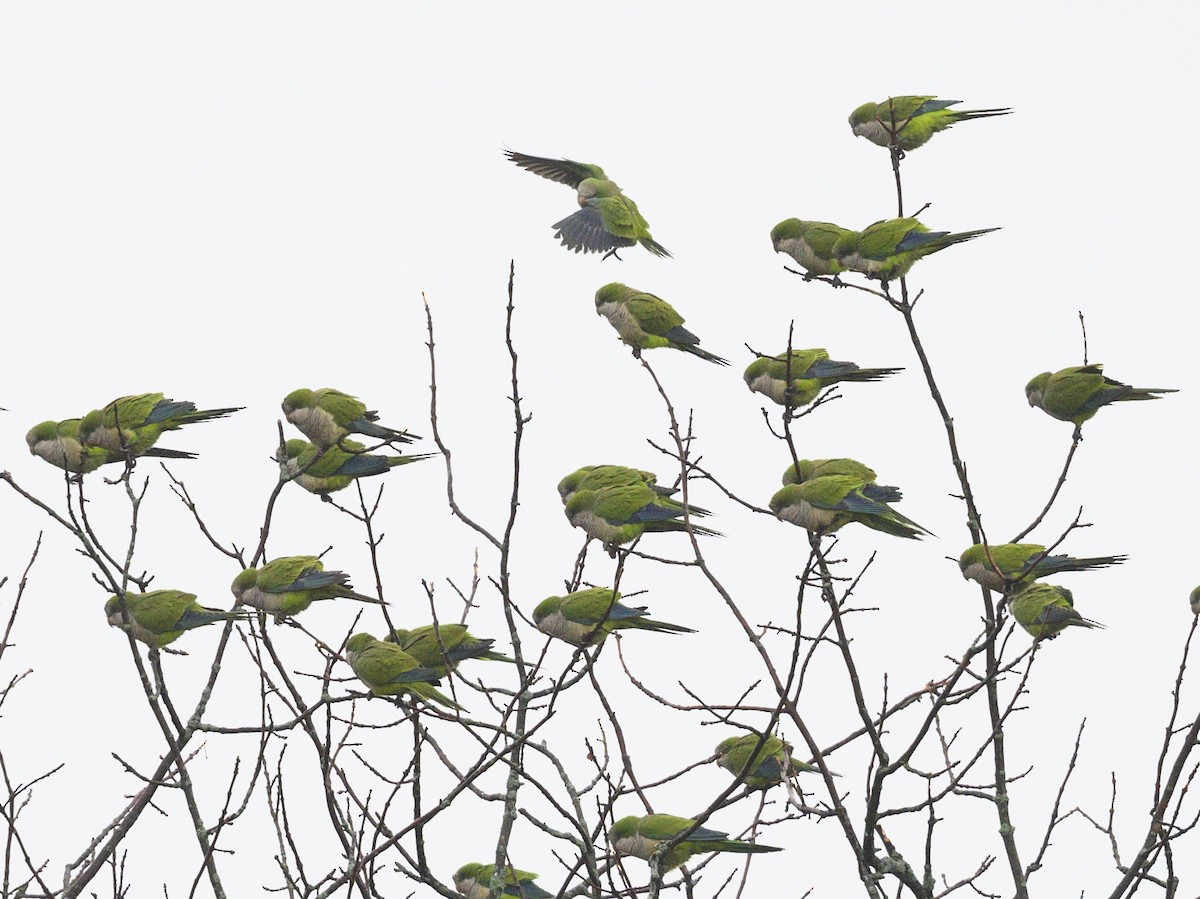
{"x": 613, "y": 253}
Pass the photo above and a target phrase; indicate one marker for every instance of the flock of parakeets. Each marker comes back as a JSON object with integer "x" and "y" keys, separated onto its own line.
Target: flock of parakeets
{"x": 611, "y": 503}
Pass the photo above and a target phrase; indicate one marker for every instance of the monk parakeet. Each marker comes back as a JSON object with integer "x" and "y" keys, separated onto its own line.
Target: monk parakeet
{"x": 641, "y": 837}
{"x": 427, "y": 642}
{"x": 597, "y": 477}
{"x": 390, "y": 671}
{"x": 908, "y": 122}
{"x": 811, "y": 372}
{"x": 606, "y": 220}
{"x": 326, "y": 416}
{"x": 772, "y": 763}
{"x": 825, "y": 504}
{"x": 336, "y": 468}
{"x": 472, "y": 881}
{"x": 617, "y": 515}
{"x": 811, "y": 469}
{"x": 132, "y": 424}
{"x": 1194, "y": 599}
{"x": 1075, "y": 394}
{"x": 160, "y": 616}
{"x": 290, "y": 584}
{"x": 1014, "y": 560}
{"x": 58, "y": 443}
{"x": 586, "y": 617}
{"x": 886, "y": 250}
{"x": 812, "y": 244}
{"x": 1045, "y": 610}
{"x": 645, "y": 321}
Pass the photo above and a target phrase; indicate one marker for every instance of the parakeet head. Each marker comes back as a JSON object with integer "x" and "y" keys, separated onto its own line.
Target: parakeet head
{"x": 756, "y": 369}
{"x": 863, "y": 114}
{"x": 468, "y": 872}
{"x": 725, "y": 747}
{"x": 788, "y": 229}
{"x": 243, "y": 582}
{"x": 112, "y": 608}
{"x": 611, "y": 293}
{"x": 298, "y": 399}
{"x": 359, "y": 642}
{"x": 47, "y": 430}
{"x": 546, "y": 608}
{"x": 1036, "y": 388}
{"x": 291, "y": 450}
{"x": 623, "y": 829}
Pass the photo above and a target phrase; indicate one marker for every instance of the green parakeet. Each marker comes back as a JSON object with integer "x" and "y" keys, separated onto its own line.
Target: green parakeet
{"x": 1014, "y": 560}
{"x": 812, "y": 244}
{"x": 1075, "y": 394}
{"x": 606, "y": 220}
{"x": 908, "y": 122}
{"x": 587, "y": 617}
{"x": 326, "y": 416}
{"x": 161, "y": 616}
{"x": 811, "y": 469}
{"x": 645, "y": 322}
{"x": 1045, "y": 610}
{"x": 617, "y": 515}
{"x": 390, "y": 671}
{"x": 811, "y": 372}
{"x": 598, "y": 477}
{"x": 58, "y": 443}
{"x": 472, "y": 881}
{"x": 772, "y": 763}
{"x": 640, "y": 837}
{"x": 825, "y": 504}
{"x": 134, "y": 423}
{"x": 886, "y": 250}
{"x": 1194, "y": 600}
{"x": 290, "y": 584}
{"x": 426, "y": 643}
{"x": 336, "y": 468}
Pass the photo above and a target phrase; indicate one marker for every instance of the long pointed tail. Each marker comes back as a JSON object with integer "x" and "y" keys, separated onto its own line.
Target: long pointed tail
{"x": 704, "y": 354}
{"x": 393, "y": 461}
{"x": 379, "y": 432}
{"x": 966, "y": 115}
{"x": 1147, "y": 393}
{"x": 869, "y": 374}
{"x": 207, "y": 414}
{"x": 1057, "y": 564}
{"x": 654, "y": 247}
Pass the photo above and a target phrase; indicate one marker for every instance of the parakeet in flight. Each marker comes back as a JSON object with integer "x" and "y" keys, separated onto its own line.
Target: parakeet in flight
{"x": 132, "y": 424}
{"x": 616, "y": 515}
{"x": 645, "y": 322}
{"x": 598, "y": 477}
{"x": 587, "y": 617}
{"x": 326, "y": 416}
{"x": 772, "y": 763}
{"x": 1075, "y": 394}
{"x": 886, "y": 250}
{"x": 811, "y": 371}
{"x": 290, "y": 584}
{"x": 336, "y": 468}
{"x": 1014, "y": 560}
{"x": 58, "y": 443}
{"x": 908, "y": 122}
{"x": 427, "y": 642}
{"x": 812, "y": 244}
{"x": 825, "y": 504}
{"x": 161, "y": 616}
{"x": 472, "y": 881}
{"x": 640, "y": 837}
{"x": 390, "y": 671}
{"x": 1045, "y": 610}
{"x": 811, "y": 469}
{"x": 606, "y": 220}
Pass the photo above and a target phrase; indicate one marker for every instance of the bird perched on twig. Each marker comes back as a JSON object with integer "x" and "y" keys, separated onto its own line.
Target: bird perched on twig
{"x": 907, "y": 122}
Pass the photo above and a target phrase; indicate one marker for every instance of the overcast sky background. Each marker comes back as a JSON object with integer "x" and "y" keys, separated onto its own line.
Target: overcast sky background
{"x": 226, "y": 202}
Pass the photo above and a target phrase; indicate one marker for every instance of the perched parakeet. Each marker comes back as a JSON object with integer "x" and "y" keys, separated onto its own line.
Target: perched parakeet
{"x": 587, "y": 617}
{"x": 472, "y": 881}
{"x": 811, "y": 469}
{"x": 1194, "y": 600}
{"x": 617, "y": 515}
{"x": 132, "y": 424}
{"x": 1014, "y": 560}
{"x": 598, "y": 477}
{"x": 606, "y": 220}
{"x": 825, "y": 504}
{"x": 326, "y": 416}
{"x": 390, "y": 671}
{"x": 811, "y": 245}
{"x": 908, "y": 122}
{"x": 887, "y": 249}
{"x": 640, "y": 837}
{"x": 427, "y": 642}
{"x": 290, "y": 584}
{"x": 811, "y": 372}
{"x": 1044, "y": 610}
{"x": 772, "y": 763}
{"x": 645, "y": 321}
{"x": 160, "y": 616}
{"x": 58, "y": 443}
{"x": 336, "y": 468}
{"x": 1075, "y": 394}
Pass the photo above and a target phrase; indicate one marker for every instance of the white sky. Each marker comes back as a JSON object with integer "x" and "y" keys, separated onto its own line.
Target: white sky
{"x": 228, "y": 201}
